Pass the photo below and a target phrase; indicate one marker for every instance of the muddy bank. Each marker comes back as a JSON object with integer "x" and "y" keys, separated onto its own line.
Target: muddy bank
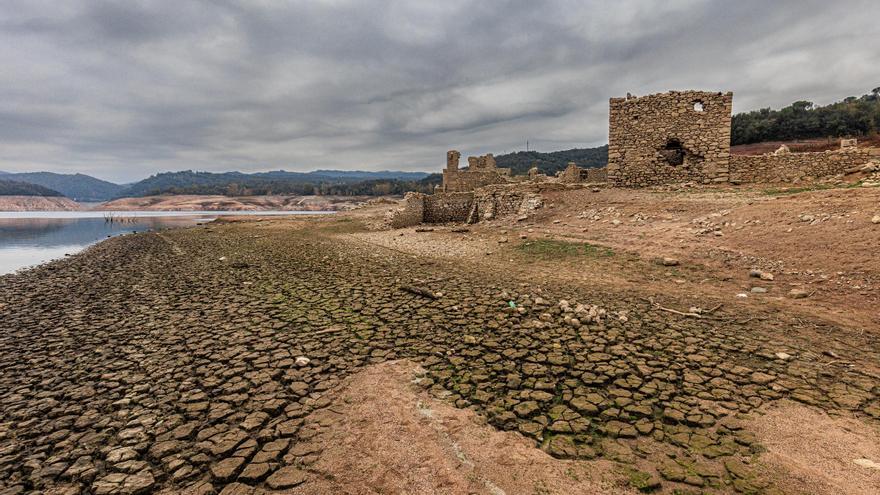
{"x": 213, "y": 359}
{"x": 237, "y": 203}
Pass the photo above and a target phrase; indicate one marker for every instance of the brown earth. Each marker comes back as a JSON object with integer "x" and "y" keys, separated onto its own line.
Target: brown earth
{"x": 411, "y": 442}
{"x": 822, "y": 242}
{"x": 185, "y": 202}
{"x": 38, "y": 203}
{"x": 271, "y": 355}
{"x": 817, "y": 453}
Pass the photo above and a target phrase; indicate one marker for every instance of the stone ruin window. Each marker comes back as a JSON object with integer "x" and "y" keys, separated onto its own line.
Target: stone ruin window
{"x": 673, "y": 152}
{"x": 698, "y": 106}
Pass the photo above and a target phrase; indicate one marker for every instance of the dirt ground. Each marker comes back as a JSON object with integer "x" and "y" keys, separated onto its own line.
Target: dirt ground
{"x": 821, "y": 242}
{"x": 817, "y": 453}
{"x": 410, "y": 442}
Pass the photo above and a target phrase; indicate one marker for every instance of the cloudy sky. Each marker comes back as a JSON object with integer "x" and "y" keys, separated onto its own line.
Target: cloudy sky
{"x": 123, "y": 89}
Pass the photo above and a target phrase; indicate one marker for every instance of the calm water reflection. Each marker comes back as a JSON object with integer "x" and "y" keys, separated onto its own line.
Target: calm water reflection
{"x": 31, "y": 238}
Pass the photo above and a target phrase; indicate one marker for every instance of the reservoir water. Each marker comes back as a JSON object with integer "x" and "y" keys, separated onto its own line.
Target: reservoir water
{"x": 33, "y": 237}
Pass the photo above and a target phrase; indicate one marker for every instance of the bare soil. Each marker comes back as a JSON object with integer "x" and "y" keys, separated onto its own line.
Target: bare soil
{"x": 38, "y": 203}
{"x": 409, "y": 442}
{"x": 822, "y": 242}
{"x": 817, "y": 453}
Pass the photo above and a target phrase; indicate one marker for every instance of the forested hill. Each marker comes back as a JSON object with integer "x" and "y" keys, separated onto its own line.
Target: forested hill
{"x": 853, "y": 116}
{"x": 14, "y": 188}
{"x": 326, "y": 182}
{"x": 550, "y": 163}
{"x": 78, "y": 187}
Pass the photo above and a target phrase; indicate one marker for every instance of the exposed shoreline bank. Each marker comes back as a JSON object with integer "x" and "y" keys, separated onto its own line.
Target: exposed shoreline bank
{"x": 38, "y": 203}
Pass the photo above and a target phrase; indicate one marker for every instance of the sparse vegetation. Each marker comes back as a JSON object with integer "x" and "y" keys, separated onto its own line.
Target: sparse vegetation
{"x": 553, "y": 249}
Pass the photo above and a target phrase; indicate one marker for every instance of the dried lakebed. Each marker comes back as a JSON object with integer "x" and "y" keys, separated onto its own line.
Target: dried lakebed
{"x": 200, "y": 360}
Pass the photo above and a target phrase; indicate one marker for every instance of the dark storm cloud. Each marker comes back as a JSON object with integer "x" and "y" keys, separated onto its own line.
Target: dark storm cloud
{"x": 122, "y": 89}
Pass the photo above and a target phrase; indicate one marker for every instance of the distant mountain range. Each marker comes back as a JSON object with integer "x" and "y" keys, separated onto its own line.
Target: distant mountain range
{"x": 80, "y": 187}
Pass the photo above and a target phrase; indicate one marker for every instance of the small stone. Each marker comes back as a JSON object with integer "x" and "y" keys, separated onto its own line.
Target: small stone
{"x": 876, "y": 219}
{"x": 783, "y": 356}
{"x": 758, "y": 290}
{"x": 302, "y": 361}
{"x": 798, "y": 294}
{"x": 867, "y": 463}
{"x": 669, "y": 262}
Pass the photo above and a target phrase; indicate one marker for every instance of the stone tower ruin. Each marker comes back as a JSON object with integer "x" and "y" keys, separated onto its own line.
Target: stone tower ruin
{"x": 481, "y": 171}
{"x": 678, "y": 136}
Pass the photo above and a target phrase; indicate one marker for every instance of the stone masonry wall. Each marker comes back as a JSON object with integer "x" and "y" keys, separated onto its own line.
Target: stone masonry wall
{"x": 448, "y": 207}
{"x": 502, "y": 200}
{"x": 678, "y": 136}
{"x": 411, "y": 213}
{"x": 574, "y": 174}
{"x": 597, "y": 174}
{"x": 481, "y": 171}
{"x": 790, "y": 167}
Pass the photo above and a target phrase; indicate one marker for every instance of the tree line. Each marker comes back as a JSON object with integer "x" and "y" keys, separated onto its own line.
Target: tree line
{"x": 15, "y": 188}
{"x": 852, "y": 116}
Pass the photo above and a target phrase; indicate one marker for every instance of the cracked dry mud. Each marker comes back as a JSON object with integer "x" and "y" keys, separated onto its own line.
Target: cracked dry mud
{"x": 148, "y": 364}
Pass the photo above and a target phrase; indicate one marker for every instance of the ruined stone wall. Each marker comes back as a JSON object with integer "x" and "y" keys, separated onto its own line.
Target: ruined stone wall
{"x": 481, "y": 171}
{"x": 411, "y": 213}
{"x": 791, "y": 167}
{"x": 574, "y": 174}
{"x": 597, "y": 174}
{"x": 466, "y": 180}
{"x": 678, "y": 136}
{"x": 448, "y": 207}
{"x": 502, "y": 200}
{"x": 571, "y": 174}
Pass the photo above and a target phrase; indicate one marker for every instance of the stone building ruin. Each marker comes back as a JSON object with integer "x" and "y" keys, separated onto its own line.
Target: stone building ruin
{"x": 664, "y": 138}
{"x": 679, "y": 136}
{"x": 481, "y": 171}
{"x": 576, "y": 175}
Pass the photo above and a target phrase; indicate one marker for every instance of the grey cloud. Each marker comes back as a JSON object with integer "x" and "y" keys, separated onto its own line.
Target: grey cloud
{"x": 122, "y": 89}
